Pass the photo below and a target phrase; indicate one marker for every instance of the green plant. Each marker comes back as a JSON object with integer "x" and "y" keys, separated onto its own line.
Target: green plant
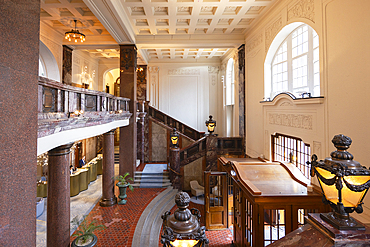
{"x": 85, "y": 229}
{"x": 123, "y": 180}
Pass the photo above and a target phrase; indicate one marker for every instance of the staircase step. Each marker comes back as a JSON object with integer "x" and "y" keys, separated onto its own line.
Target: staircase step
{"x": 151, "y": 185}
{"x": 151, "y": 173}
{"x": 154, "y": 176}
{"x": 151, "y": 181}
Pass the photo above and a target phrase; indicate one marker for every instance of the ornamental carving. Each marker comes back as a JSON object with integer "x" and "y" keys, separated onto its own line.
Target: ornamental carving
{"x": 153, "y": 69}
{"x": 303, "y": 9}
{"x": 128, "y": 58}
{"x": 254, "y": 43}
{"x": 291, "y": 120}
{"x": 213, "y": 69}
{"x": 184, "y": 72}
{"x": 271, "y": 32}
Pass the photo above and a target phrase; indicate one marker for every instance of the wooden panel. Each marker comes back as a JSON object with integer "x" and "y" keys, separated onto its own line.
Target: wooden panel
{"x": 216, "y": 200}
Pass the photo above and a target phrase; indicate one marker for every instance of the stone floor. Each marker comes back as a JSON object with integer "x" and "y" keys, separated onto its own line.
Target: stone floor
{"x": 120, "y": 220}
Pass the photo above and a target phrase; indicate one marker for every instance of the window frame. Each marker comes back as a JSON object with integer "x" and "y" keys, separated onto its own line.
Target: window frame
{"x": 285, "y": 35}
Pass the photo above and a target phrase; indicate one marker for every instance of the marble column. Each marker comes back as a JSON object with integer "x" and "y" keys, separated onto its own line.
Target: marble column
{"x": 58, "y": 206}
{"x": 108, "y": 197}
{"x": 141, "y": 136}
{"x": 128, "y": 134}
{"x": 211, "y": 153}
{"x": 241, "y": 60}
{"x": 67, "y": 65}
{"x": 175, "y": 168}
{"x": 20, "y": 40}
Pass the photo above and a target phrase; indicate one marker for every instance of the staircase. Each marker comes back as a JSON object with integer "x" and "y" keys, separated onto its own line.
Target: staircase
{"x": 151, "y": 180}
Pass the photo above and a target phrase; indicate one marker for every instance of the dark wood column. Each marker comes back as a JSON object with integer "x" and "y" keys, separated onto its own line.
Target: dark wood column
{"x": 108, "y": 197}
{"x": 128, "y": 137}
{"x": 20, "y": 40}
{"x": 211, "y": 153}
{"x": 141, "y": 137}
{"x": 58, "y": 206}
{"x": 175, "y": 171}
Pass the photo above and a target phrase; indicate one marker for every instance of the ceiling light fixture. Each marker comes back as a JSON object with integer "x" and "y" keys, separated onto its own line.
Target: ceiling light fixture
{"x": 75, "y": 34}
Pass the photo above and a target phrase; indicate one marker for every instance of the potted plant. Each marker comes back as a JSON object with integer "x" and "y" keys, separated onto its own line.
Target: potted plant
{"x": 122, "y": 185}
{"x": 85, "y": 236}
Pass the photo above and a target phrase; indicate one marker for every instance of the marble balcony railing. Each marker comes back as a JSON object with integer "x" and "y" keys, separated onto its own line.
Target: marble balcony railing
{"x": 67, "y": 113}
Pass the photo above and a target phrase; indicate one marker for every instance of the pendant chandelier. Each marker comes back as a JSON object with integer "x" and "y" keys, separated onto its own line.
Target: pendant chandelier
{"x": 75, "y": 34}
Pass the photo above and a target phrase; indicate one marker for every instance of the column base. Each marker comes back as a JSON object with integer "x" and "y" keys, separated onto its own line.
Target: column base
{"x": 108, "y": 202}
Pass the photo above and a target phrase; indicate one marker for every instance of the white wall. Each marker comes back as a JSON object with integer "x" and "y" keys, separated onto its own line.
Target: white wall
{"x": 105, "y": 65}
{"x": 344, "y": 63}
{"x": 184, "y": 91}
{"x": 85, "y": 69}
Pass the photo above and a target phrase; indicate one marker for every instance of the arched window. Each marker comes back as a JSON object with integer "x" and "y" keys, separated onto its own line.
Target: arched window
{"x": 230, "y": 88}
{"x": 294, "y": 66}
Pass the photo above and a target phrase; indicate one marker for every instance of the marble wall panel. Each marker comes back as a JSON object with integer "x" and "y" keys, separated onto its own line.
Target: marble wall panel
{"x": 193, "y": 171}
{"x": 159, "y": 143}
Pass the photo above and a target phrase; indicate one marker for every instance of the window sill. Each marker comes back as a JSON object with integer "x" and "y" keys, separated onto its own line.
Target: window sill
{"x": 296, "y": 101}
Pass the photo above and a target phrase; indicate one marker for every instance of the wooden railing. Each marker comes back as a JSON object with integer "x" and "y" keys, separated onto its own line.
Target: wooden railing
{"x": 198, "y": 149}
{"x": 55, "y": 97}
{"x": 193, "y": 152}
{"x": 173, "y": 123}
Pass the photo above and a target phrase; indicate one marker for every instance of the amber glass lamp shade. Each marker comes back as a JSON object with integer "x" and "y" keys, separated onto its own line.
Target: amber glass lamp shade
{"x": 211, "y": 125}
{"x": 174, "y": 137}
{"x": 184, "y": 243}
{"x": 344, "y": 183}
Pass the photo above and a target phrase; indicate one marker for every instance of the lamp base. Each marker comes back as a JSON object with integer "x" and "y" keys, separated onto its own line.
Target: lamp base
{"x": 342, "y": 224}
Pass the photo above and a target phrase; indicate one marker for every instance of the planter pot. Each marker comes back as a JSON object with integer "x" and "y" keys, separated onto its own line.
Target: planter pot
{"x": 122, "y": 192}
{"x": 89, "y": 243}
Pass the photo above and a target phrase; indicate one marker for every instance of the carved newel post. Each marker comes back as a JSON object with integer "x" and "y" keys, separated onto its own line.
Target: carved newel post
{"x": 175, "y": 160}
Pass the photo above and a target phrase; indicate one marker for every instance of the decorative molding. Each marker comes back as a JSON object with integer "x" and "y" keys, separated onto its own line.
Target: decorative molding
{"x": 271, "y": 32}
{"x": 267, "y": 142}
{"x": 213, "y": 69}
{"x": 291, "y": 120}
{"x": 317, "y": 148}
{"x": 303, "y": 9}
{"x": 286, "y": 104}
{"x": 184, "y": 72}
{"x": 254, "y": 43}
{"x": 213, "y": 80}
{"x": 153, "y": 69}
{"x": 253, "y": 53}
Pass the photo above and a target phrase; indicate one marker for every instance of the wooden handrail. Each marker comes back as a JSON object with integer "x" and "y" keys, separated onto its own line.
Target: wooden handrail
{"x": 174, "y": 123}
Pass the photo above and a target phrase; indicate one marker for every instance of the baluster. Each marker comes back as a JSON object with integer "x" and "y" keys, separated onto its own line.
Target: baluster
{"x": 83, "y": 103}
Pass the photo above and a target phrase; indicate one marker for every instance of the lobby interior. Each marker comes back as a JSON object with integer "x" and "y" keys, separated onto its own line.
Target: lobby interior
{"x": 198, "y": 58}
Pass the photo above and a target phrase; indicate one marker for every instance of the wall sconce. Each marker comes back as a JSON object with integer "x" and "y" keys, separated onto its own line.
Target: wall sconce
{"x": 344, "y": 183}
{"x": 174, "y": 136}
{"x": 182, "y": 229}
{"x": 211, "y": 125}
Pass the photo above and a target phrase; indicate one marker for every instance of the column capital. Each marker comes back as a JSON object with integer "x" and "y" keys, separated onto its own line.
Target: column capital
{"x": 61, "y": 150}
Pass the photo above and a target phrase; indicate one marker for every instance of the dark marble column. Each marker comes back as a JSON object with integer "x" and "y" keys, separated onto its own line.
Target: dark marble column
{"x": 67, "y": 65}
{"x": 241, "y": 58}
{"x": 108, "y": 197}
{"x": 211, "y": 153}
{"x": 141, "y": 82}
{"x": 58, "y": 206}
{"x": 141, "y": 136}
{"x": 19, "y": 39}
{"x": 175, "y": 168}
{"x": 128, "y": 137}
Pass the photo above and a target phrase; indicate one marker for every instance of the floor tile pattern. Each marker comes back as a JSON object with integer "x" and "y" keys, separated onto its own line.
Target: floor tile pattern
{"x": 121, "y": 220}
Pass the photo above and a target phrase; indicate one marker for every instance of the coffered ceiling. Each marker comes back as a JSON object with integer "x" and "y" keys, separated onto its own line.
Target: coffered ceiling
{"x": 163, "y": 30}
